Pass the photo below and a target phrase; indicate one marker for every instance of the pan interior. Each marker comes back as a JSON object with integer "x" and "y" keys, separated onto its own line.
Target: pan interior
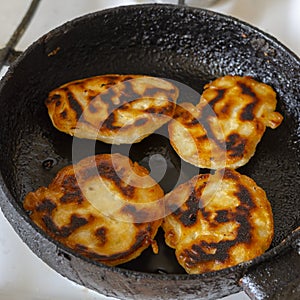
{"x": 186, "y": 45}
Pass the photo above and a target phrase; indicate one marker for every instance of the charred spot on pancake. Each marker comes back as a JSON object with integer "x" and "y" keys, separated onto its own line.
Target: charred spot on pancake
{"x": 182, "y": 115}
{"x": 244, "y": 196}
{"x": 101, "y": 234}
{"x": 246, "y": 90}
{"x": 65, "y": 231}
{"x": 46, "y": 206}
{"x": 166, "y": 110}
{"x": 54, "y": 98}
{"x": 202, "y": 138}
{"x": 151, "y": 110}
{"x": 230, "y": 174}
{"x": 192, "y": 122}
{"x": 222, "y": 216}
{"x": 235, "y": 145}
{"x": 210, "y": 130}
{"x": 64, "y": 114}
{"x": 219, "y": 96}
{"x": 188, "y": 213}
{"x": 189, "y": 216}
{"x": 247, "y": 114}
{"x": 110, "y": 78}
{"x": 70, "y": 182}
{"x": 74, "y": 104}
{"x": 74, "y": 197}
{"x": 109, "y": 123}
{"x": 245, "y": 228}
{"x": 111, "y": 174}
{"x": 206, "y": 252}
{"x": 128, "y": 77}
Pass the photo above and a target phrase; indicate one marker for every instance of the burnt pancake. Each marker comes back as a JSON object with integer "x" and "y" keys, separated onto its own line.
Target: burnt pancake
{"x": 105, "y": 207}
{"x": 225, "y": 219}
{"x": 225, "y": 127}
{"x": 116, "y": 109}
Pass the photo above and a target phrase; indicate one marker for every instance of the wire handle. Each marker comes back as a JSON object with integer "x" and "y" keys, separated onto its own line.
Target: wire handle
{"x": 9, "y": 50}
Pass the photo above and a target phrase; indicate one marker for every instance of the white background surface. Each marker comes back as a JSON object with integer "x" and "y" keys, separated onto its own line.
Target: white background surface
{"x": 22, "y": 274}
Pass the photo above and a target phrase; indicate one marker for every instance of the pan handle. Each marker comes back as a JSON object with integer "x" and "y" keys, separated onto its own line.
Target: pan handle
{"x": 279, "y": 277}
{"x": 8, "y": 57}
{"x": 8, "y": 53}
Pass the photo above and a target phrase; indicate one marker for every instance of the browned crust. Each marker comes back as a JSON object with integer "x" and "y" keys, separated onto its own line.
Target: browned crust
{"x": 227, "y": 124}
{"x": 64, "y": 213}
{"x": 212, "y": 232}
{"x": 112, "y": 108}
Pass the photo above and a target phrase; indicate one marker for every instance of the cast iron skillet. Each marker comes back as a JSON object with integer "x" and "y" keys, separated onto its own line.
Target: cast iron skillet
{"x": 192, "y": 46}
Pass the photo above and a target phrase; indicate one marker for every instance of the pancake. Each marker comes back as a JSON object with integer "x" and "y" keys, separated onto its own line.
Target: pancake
{"x": 105, "y": 208}
{"x": 225, "y": 127}
{"x": 225, "y": 219}
{"x": 115, "y": 109}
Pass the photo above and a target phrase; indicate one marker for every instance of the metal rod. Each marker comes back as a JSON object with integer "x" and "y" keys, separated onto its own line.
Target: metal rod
{"x": 18, "y": 33}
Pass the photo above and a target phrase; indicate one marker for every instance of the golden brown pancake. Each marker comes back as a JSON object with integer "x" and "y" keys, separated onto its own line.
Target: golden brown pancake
{"x": 97, "y": 208}
{"x": 112, "y": 108}
{"x": 226, "y": 219}
{"x": 227, "y": 124}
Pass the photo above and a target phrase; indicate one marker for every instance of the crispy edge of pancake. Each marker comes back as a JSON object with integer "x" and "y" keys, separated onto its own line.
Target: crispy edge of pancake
{"x": 261, "y": 94}
{"x": 192, "y": 230}
{"x": 231, "y": 117}
{"x": 105, "y": 111}
{"x": 64, "y": 193}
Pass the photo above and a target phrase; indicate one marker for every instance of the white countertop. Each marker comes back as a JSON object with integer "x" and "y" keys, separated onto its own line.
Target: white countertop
{"x": 22, "y": 274}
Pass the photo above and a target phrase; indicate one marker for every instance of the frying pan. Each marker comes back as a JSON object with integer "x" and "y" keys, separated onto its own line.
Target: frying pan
{"x": 191, "y": 46}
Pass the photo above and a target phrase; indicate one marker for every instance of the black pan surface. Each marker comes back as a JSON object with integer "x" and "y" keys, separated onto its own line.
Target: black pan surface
{"x": 191, "y": 46}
